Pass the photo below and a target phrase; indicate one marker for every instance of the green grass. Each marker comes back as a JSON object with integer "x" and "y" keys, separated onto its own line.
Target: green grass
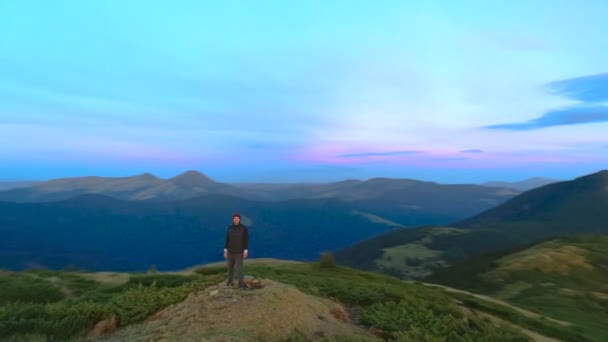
{"x": 402, "y": 311}
{"x": 79, "y": 303}
{"x": 405, "y": 312}
{"x": 413, "y": 260}
{"x": 23, "y": 287}
{"x": 545, "y": 327}
{"x": 583, "y": 309}
{"x": 560, "y": 288}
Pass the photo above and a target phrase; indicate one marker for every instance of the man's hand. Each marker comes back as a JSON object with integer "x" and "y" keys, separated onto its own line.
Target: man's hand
{"x": 245, "y": 253}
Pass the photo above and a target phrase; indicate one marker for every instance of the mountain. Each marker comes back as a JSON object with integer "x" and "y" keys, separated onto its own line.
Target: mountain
{"x": 404, "y": 201}
{"x": 99, "y": 232}
{"x": 524, "y": 185}
{"x": 140, "y": 187}
{"x": 12, "y": 184}
{"x": 286, "y": 301}
{"x": 565, "y": 278}
{"x": 575, "y": 206}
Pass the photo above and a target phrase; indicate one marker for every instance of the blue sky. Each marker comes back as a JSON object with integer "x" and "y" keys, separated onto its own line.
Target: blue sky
{"x": 459, "y": 91}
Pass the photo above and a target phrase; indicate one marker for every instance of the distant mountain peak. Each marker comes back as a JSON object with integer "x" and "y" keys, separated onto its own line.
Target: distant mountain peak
{"x": 192, "y": 178}
{"x": 147, "y": 176}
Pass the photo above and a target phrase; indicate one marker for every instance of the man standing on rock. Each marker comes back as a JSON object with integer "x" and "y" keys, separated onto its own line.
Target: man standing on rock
{"x": 235, "y": 249}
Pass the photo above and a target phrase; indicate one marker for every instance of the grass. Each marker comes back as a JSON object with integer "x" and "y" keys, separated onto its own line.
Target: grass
{"x": 400, "y": 311}
{"x": 413, "y": 260}
{"x": 79, "y": 302}
{"x": 581, "y": 308}
{"x": 559, "y": 278}
{"x": 545, "y": 327}
{"x": 405, "y": 312}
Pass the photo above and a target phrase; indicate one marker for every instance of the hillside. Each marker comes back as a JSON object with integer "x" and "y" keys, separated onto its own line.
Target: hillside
{"x": 100, "y": 233}
{"x": 524, "y": 185}
{"x": 287, "y": 302}
{"x": 575, "y": 206}
{"x": 564, "y": 278}
{"x": 572, "y": 206}
{"x": 404, "y": 201}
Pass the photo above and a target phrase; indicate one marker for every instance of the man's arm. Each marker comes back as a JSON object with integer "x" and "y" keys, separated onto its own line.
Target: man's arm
{"x": 246, "y": 239}
{"x": 226, "y": 242}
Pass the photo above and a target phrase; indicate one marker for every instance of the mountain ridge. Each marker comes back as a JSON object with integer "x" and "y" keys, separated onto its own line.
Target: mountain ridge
{"x": 405, "y": 201}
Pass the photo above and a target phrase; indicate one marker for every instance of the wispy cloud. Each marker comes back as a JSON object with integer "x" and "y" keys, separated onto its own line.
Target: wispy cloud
{"x": 583, "y": 114}
{"x": 590, "y": 91}
{"x": 591, "y": 88}
{"x": 377, "y": 154}
{"x": 450, "y": 159}
{"x": 471, "y": 151}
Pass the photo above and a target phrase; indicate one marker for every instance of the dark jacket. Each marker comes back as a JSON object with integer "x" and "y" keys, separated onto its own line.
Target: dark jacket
{"x": 237, "y": 238}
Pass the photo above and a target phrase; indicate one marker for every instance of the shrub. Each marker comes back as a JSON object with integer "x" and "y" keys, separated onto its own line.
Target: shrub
{"x": 327, "y": 260}
{"x": 416, "y": 320}
{"x": 24, "y": 288}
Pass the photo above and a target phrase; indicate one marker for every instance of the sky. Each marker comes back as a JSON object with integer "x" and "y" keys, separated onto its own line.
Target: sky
{"x": 274, "y": 91}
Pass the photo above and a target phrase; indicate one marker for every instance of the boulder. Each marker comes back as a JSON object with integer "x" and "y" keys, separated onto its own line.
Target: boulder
{"x": 103, "y": 327}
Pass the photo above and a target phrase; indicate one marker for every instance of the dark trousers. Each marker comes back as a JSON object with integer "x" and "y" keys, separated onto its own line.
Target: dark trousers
{"x": 236, "y": 260}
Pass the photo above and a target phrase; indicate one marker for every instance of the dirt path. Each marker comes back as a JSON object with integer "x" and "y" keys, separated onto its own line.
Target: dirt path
{"x": 532, "y": 334}
{"x": 524, "y": 312}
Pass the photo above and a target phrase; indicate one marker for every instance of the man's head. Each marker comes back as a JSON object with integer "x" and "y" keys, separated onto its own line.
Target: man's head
{"x": 236, "y": 218}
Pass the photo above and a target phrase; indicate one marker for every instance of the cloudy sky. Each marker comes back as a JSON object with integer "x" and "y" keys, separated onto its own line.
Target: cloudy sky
{"x": 459, "y": 91}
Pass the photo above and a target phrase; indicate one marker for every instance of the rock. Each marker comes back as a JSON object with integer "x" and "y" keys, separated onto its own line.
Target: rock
{"x": 254, "y": 284}
{"x": 339, "y": 313}
{"x": 103, "y": 327}
{"x": 214, "y": 292}
{"x": 158, "y": 315}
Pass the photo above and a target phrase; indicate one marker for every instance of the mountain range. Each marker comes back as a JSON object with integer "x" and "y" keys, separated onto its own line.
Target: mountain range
{"x": 404, "y": 201}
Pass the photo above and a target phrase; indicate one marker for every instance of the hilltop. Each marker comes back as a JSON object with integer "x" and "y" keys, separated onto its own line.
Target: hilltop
{"x": 315, "y": 301}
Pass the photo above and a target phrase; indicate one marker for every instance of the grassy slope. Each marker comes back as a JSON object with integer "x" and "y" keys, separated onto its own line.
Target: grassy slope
{"x": 565, "y": 278}
{"x": 414, "y": 253}
{"x": 64, "y": 304}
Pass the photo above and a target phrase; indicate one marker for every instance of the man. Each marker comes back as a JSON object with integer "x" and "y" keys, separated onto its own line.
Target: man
{"x": 235, "y": 249}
